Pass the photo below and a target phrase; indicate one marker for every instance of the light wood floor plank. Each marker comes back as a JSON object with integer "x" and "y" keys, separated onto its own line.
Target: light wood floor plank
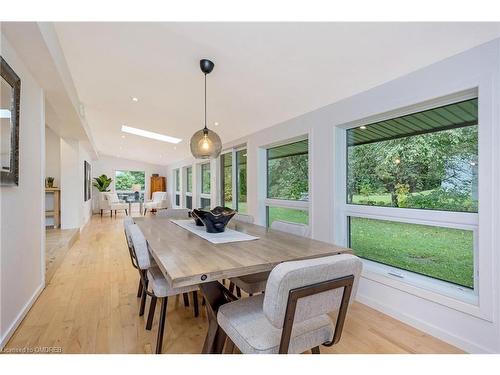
{"x": 90, "y": 306}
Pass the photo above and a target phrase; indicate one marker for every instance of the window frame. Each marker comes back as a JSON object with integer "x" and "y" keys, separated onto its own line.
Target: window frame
{"x": 186, "y": 192}
{"x": 129, "y": 190}
{"x": 234, "y": 176}
{"x": 287, "y": 203}
{"x": 177, "y": 187}
{"x": 201, "y": 194}
{"x": 477, "y": 302}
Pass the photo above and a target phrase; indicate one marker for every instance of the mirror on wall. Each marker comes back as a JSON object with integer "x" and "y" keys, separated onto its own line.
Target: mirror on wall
{"x": 10, "y": 92}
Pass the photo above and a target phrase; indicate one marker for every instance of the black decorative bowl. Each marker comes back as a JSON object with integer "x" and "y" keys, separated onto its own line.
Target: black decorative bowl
{"x": 215, "y": 220}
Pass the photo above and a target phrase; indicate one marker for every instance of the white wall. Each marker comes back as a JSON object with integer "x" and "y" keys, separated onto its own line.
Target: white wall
{"x": 22, "y": 222}
{"x": 52, "y": 156}
{"x": 478, "y": 67}
{"x": 109, "y": 164}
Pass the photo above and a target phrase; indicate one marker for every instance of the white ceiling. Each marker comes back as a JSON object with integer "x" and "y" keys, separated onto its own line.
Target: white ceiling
{"x": 265, "y": 73}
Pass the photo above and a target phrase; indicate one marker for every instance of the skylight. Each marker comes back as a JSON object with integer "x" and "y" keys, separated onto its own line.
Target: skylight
{"x": 148, "y": 134}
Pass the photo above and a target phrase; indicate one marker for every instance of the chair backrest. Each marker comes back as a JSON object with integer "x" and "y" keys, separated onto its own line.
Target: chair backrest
{"x": 174, "y": 213}
{"x": 289, "y": 227}
{"x": 140, "y": 247}
{"x": 159, "y": 196}
{"x": 127, "y": 222}
{"x": 244, "y": 218}
{"x": 112, "y": 197}
{"x": 291, "y": 275}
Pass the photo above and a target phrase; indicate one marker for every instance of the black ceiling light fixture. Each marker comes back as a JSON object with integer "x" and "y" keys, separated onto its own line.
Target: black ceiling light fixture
{"x": 205, "y": 144}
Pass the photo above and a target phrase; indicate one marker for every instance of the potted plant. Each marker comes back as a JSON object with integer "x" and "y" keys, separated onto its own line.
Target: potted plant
{"x": 102, "y": 183}
{"x": 49, "y": 182}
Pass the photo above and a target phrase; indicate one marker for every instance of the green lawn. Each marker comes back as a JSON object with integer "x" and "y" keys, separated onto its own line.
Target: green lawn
{"x": 288, "y": 214}
{"x": 442, "y": 253}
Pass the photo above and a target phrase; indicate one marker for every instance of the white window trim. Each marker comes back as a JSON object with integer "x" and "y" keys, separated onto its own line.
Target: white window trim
{"x": 480, "y": 303}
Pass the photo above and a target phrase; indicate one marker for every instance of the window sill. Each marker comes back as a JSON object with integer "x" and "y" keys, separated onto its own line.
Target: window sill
{"x": 441, "y": 292}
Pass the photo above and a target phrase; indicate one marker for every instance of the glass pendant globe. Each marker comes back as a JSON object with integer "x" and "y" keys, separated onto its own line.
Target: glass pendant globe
{"x": 205, "y": 144}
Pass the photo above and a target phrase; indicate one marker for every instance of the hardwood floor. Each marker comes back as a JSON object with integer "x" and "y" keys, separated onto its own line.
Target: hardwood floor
{"x": 90, "y": 306}
{"x": 57, "y": 244}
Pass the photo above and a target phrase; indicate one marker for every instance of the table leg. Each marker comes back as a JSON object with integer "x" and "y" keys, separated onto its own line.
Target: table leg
{"x": 215, "y": 296}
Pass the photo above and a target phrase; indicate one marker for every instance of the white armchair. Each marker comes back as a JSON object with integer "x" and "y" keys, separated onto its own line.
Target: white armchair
{"x": 158, "y": 202}
{"x": 110, "y": 201}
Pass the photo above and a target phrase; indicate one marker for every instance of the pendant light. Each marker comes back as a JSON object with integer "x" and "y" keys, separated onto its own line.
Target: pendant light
{"x": 205, "y": 144}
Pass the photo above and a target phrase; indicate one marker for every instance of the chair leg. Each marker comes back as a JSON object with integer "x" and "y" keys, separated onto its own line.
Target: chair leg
{"x": 151, "y": 313}
{"x": 203, "y": 302}
{"x": 161, "y": 326}
{"x": 315, "y": 350}
{"x": 111, "y": 213}
{"x": 238, "y": 291}
{"x": 145, "y": 210}
{"x": 139, "y": 291}
{"x": 126, "y": 212}
{"x": 186, "y": 299}
{"x": 195, "y": 304}
{"x": 229, "y": 346}
{"x": 101, "y": 213}
{"x": 231, "y": 287}
{"x": 143, "y": 300}
{"x": 115, "y": 213}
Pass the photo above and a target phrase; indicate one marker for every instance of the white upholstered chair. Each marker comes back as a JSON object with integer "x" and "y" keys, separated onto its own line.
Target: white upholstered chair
{"x": 151, "y": 275}
{"x": 158, "y": 202}
{"x": 244, "y": 218}
{"x": 110, "y": 201}
{"x": 293, "y": 315}
{"x": 256, "y": 282}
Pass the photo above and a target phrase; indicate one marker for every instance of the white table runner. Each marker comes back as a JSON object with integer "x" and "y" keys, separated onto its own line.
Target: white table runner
{"x": 229, "y": 235}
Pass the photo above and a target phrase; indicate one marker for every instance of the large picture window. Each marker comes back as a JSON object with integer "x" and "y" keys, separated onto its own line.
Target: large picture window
{"x": 234, "y": 179}
{"x": 426, "y": 161}
{"x": 288, "y": 182}
{"x": 125, "y": 180}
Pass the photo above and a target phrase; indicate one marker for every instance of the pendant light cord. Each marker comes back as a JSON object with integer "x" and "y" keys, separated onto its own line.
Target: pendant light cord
{"x": 205, "y": 100}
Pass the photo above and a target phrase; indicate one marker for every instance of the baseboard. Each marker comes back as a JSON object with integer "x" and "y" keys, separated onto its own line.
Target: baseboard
{"x": 5, "y": 339}
{"x": 430, "y": 329}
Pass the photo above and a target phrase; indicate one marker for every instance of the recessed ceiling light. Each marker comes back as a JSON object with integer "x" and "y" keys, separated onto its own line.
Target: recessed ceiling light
{"x": 216, "y": 123}
{"x": 175, "y": 148}
{"x": 148, "y": 134}
{"x": 123, "y": 136}
{"x": 134, "y": 99}
{"x": 362, "y": 127}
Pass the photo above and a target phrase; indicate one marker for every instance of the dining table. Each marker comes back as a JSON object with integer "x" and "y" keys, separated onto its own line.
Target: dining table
{"x": 186, "y": 259}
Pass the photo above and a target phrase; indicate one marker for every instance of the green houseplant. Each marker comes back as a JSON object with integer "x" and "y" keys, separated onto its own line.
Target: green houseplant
{"x": 49, "y": 182}
{"x": 102, "y": 183}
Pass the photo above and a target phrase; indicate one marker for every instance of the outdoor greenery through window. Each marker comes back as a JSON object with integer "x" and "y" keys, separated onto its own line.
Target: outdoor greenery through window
{"x": 205, "y": 178}
{"x": 237, "y": 200}
{"x": 177, "y": 180}
{"x": 227, "y": 179}
{"x": 125, "y": 179}
{"x": 286, "y": 214}
{"x": 241, "y": 182}
{"x": 189, "y": 179}
{"x": 425, "y": 160}
{"x": 442, "y": 253}
{"x": 288, "y": 171}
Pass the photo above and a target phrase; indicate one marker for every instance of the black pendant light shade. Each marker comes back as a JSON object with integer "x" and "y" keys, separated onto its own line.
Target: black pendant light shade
{"x": 205, "y": 144}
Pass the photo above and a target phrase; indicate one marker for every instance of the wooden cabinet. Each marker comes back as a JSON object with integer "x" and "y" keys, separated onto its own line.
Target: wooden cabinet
{"x": 158, "y": 183}
{"x": 52, "y": 207}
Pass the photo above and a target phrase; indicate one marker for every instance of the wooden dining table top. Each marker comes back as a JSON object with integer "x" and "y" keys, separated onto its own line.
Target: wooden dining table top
{"x": 187, "y": 259}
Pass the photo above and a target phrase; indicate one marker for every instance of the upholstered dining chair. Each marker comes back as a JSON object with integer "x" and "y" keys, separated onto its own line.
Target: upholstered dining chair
{"x": 160, "y": 289}
{"x": 244, "y": 218}
{"x": 159, "y": 201}
{"x": 175, "y": 213}
{"x": 110, "y": 201}
{"x": 256, "y": 283}
{"x": 127, "y": 221}
{"x": 305, "y": 306}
